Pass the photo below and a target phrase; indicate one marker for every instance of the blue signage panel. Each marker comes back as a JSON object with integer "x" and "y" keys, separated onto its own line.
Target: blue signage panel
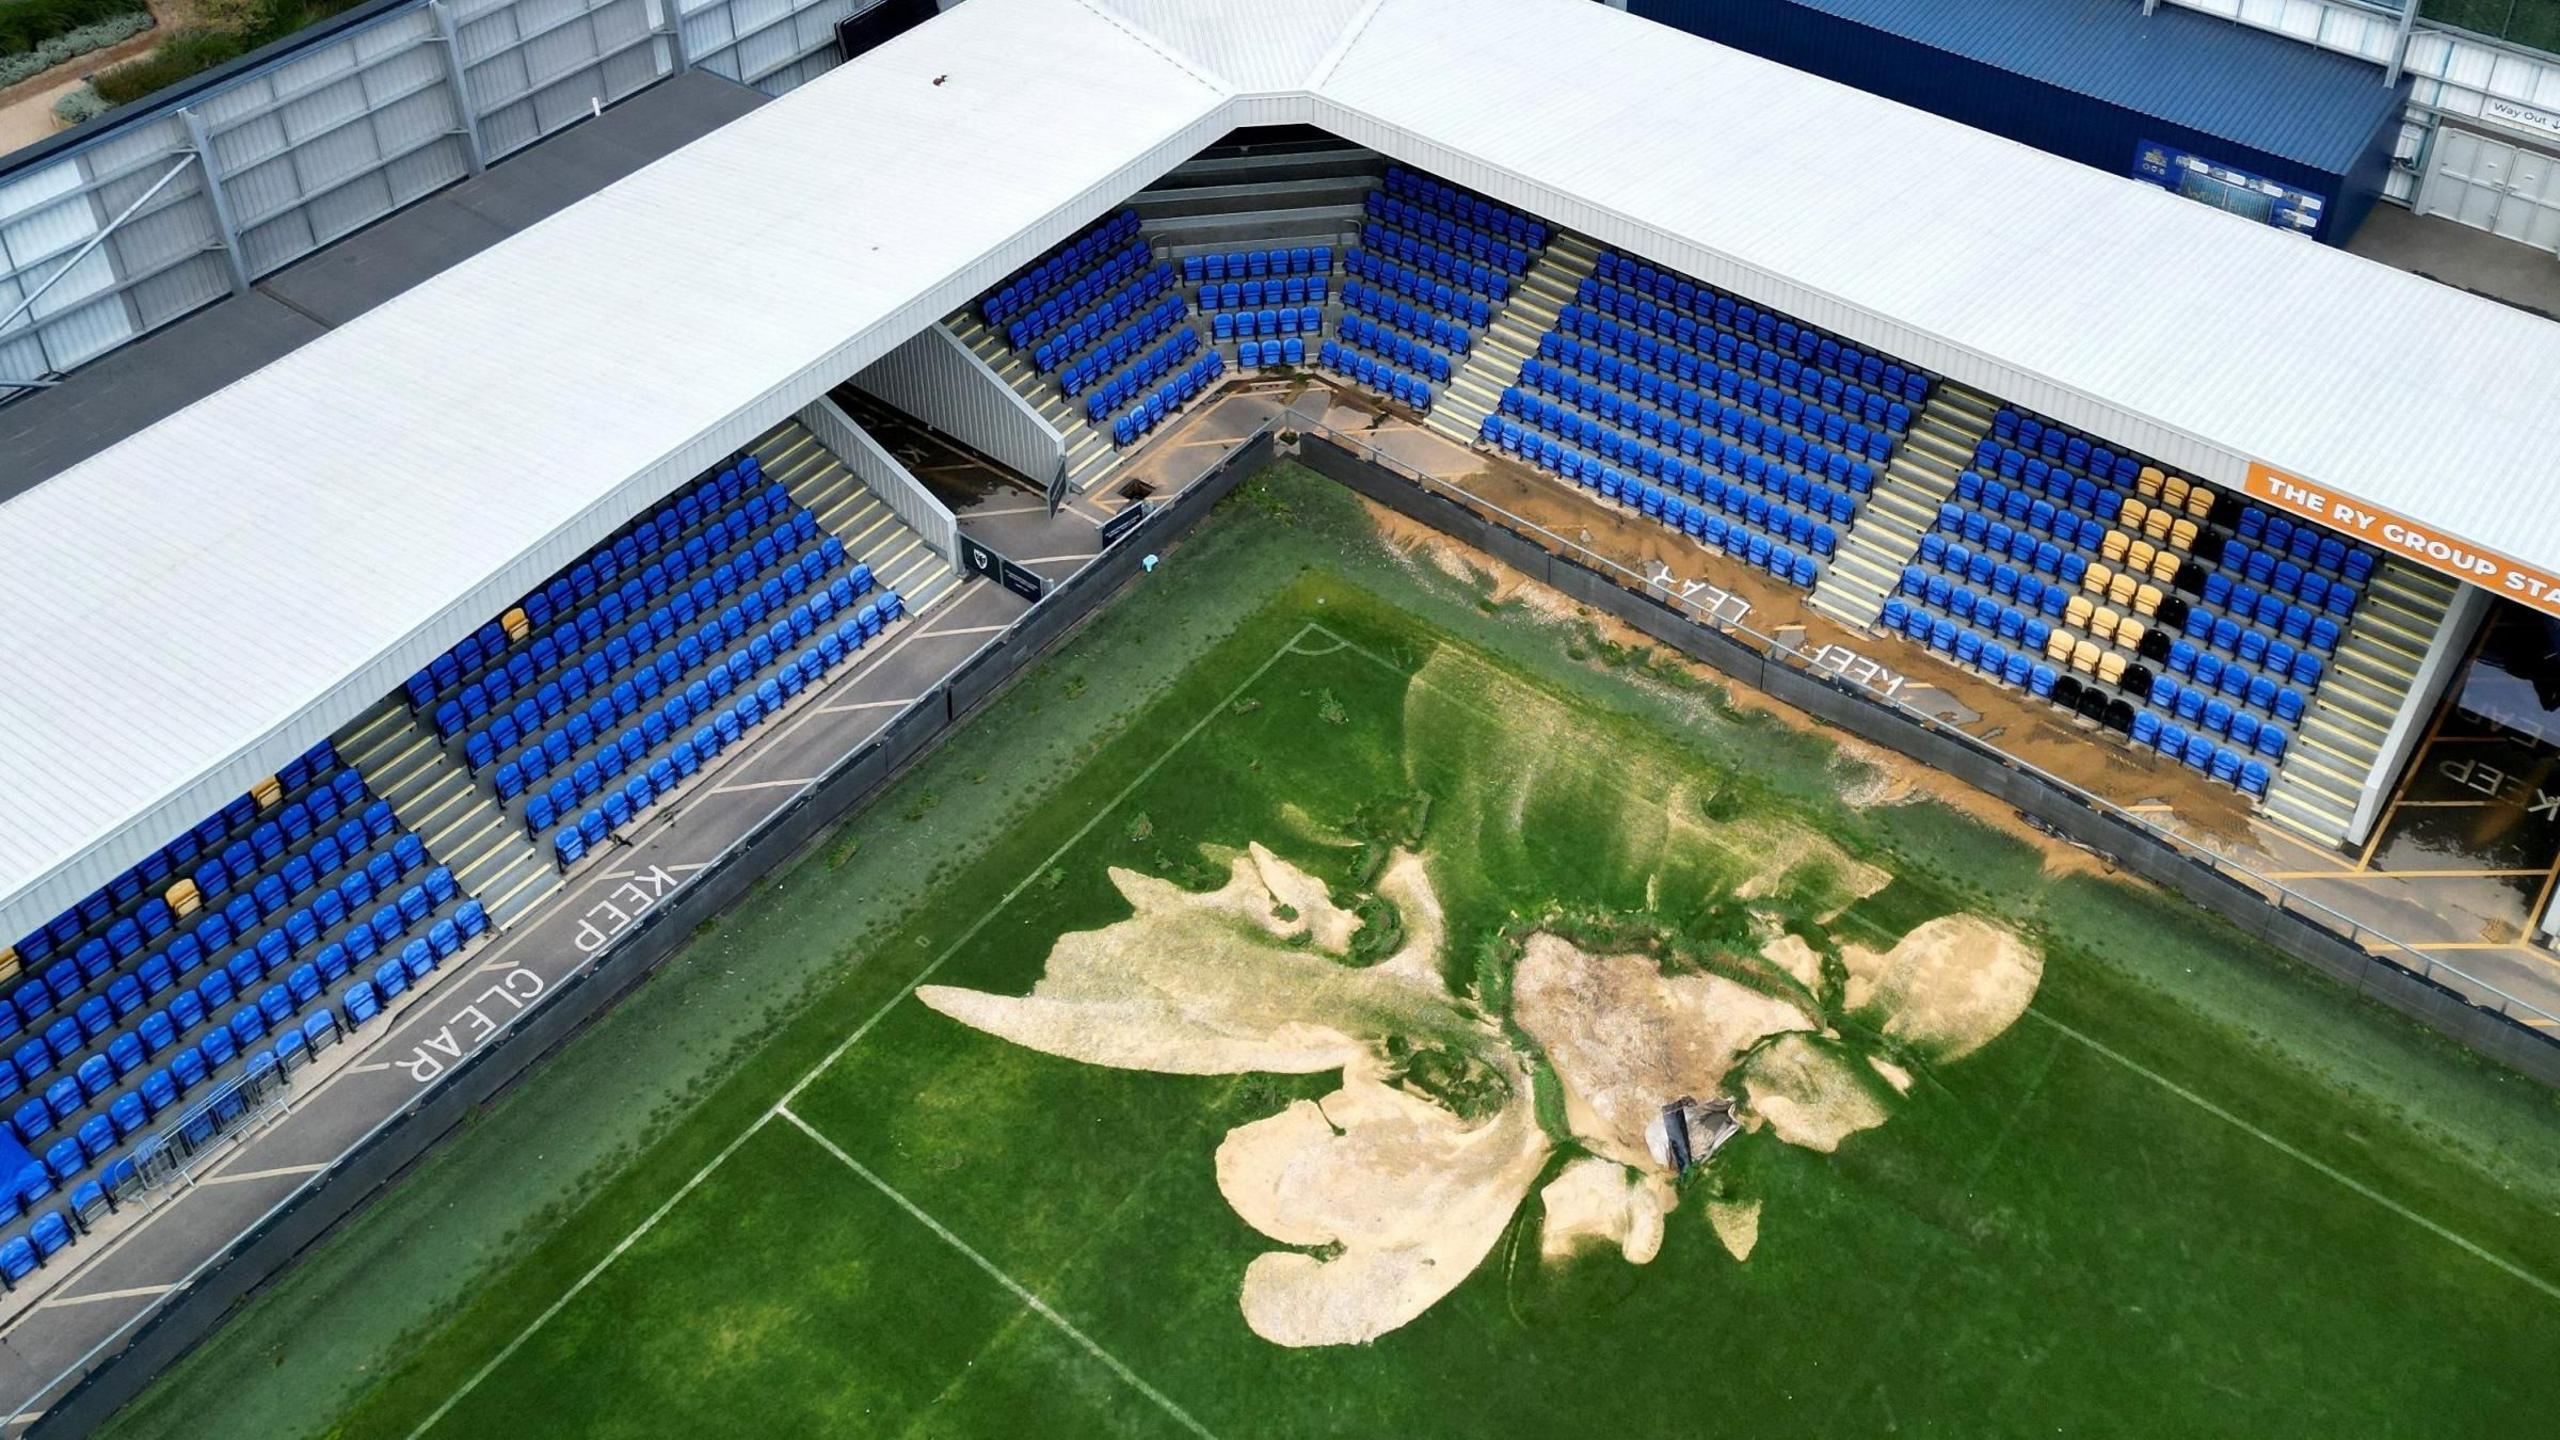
{"x": 2225, "y": 188}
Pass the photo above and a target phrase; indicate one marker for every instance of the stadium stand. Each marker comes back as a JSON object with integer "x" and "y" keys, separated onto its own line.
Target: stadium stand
{"x": 225, "y": 959}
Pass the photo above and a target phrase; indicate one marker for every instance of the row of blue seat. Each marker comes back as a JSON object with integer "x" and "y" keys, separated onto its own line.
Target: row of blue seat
{"x": 1736, "y": 444}
{"x": 1119, "y": 348}
{"x": 727, "y": 727}
{"x": 1260, "y": 354}
{"x": 1746, "y": 321}
{"x": 1262, "y": 324}
{"x": 1168, "y": 398}
{"x": 672, "y": 522}
{"x": 1760, "y": 510}
{"x": 1374, "y": 374}
{"x": 65, "y": 1046}
{"x": 1457, "y": 236}
{"x": 1443, "y": 332}
{"x": 1441, "y": 197}
{"x": 1624, "y": 328}
{"x": 2232, "y": 765}
{"x": 1063, "y": 262}
{"x": 1176, "y": 350}
{"x": 135, "y": 894}
{"x": 1081, "y": 330}
{"x": 2304, "y": 544}
{"x": 1762, "y": 376}
{"x": 1724, "y": 401}
{"x": 1421, "y": 255}
{"x": 552, "y": 672}
{"x": 1396, "y": 348}
{"x": 1257, "y": 265}
{"x": 661, "y": 658}
{"x": 1111, "y": 277}
{"x": 1254, "y": 294}
{"x": 1439, "y": 295}
{"x": 241, "y": 863}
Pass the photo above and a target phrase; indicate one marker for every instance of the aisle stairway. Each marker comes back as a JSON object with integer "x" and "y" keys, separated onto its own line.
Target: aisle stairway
{"x": 433, "y": 792}
{"x": 1887, "y": 531}
{"x": 847, "y": 509}
{"x": 1089, "y": 451}
{"x": 2341, "y": 735}
{"x": 1529, "y": 314}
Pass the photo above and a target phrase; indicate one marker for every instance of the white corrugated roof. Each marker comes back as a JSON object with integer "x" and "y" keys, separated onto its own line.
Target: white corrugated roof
{"x": 197, "y": 604}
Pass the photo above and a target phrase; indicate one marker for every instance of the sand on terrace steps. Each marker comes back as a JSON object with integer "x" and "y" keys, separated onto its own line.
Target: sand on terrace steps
{"x": 1402, "y": 1198}
{"x": 1948, "y": 986}
{"x": 1209, "y": 984}
{"x": 1625, "y": 1039}
{"x": 1810, "y": 1095}
{"x": 1594, "y": 1201}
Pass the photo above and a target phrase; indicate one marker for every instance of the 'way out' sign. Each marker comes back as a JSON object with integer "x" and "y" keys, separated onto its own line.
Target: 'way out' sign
{"x": 2397, "y": 536}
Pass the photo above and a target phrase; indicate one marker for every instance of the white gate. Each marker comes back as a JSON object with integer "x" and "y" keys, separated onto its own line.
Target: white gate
{"x": 2487, "y": 184}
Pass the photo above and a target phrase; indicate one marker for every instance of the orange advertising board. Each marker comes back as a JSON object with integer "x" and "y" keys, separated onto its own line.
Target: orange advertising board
{"x": 2399, "y": 537}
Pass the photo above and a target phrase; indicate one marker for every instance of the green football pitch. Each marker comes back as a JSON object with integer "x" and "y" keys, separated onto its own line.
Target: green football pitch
{"x": 2186, "y": 1190}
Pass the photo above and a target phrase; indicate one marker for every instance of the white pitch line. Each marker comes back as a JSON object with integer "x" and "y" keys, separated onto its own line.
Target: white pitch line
{"x": 138, "y": 1292}
{"x": 848, "y": 709}
{"x": 781, "y": 1106}
{"x": 1020, "y": 1291}
{"x": 2467, "y": 1246}
{"x": 572, "y": 1293}
{"x": 742, "y": 786}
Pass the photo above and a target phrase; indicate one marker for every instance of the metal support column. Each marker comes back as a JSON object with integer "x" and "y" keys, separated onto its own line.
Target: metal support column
{"x": 2400, "y": 43}
{"x": 202, "y": 145}
{"x": 453, "y": 66}
{"x": 680, "y": 61}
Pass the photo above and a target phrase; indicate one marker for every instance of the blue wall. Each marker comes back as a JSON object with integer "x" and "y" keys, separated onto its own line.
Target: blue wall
{"x": 2026, "y": 69}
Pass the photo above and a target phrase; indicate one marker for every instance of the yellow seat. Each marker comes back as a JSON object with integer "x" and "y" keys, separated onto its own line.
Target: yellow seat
{"x": 2133, "y": 514}
{"x": 2140, "y": 554}
{"x": 2182, "y": 534}
{"x": 184, "y": 898}
{"x": 2200, "y": 502}
{"x": 2146, "y": 600}
{"x": 2096, "y": 579}
{"x": 2126, "y": 586}
{"x": 8, "y": 962}
{"x": 517, "y": 625}
{"x": 2111, "y": 667}
{"x": 2174, "y": 492}
{"x": 2102, "y": 625}
{"x": 2157, "y": 523}
{"x": 2114, "y": 546}
{"x": 268, "y": 793}
{"x": 2076, "y": 613}
{"x": 2084, "y": 657}
{"x": 2148, "y": 483}
{"x": 2165, "y": 569}
{"x": 2059, "y": 646}
{"x": 2130, "y": 633}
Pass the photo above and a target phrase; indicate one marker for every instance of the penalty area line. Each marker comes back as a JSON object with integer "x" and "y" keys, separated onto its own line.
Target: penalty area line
{"x": 1019, "y": 1291}
{"x": 583, "y": 1281}
{"x": 2467, "y": 1246}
